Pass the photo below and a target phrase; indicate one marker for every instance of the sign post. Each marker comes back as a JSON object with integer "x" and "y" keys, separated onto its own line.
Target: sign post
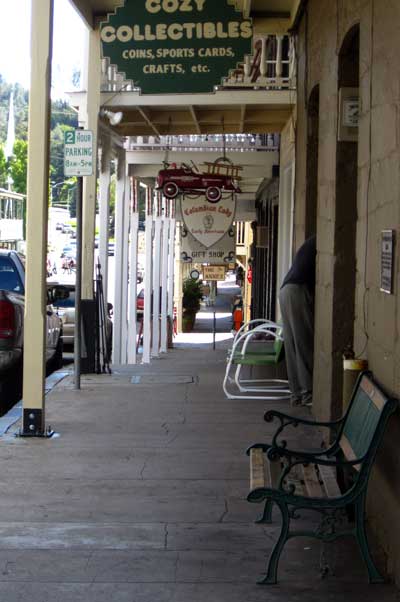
{"x": 78, "y": 161}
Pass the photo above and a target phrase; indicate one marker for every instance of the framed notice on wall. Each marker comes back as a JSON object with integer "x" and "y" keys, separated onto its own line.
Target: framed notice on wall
{"x": 387, "y": 256}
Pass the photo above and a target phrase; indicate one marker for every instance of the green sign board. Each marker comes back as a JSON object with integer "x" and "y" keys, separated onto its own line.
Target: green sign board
{"x": 176, "y": 46}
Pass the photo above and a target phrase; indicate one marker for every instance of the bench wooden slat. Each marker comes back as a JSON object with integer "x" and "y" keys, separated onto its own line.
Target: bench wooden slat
{"x": 263, "y": 473}
{"x": 348, "y": 451}
{"x": 311, "y": 481}
{"x": 328, "y": 476}
{"x": 257, "y": 470}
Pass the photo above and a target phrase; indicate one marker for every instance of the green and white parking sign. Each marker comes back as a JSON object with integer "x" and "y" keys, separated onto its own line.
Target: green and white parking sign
{"x": 78, "y": 153}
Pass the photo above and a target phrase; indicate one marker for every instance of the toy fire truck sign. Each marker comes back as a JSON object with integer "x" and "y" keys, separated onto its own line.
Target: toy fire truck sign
{"x": 221, "y": 177}
{"x": 176, "y": 46}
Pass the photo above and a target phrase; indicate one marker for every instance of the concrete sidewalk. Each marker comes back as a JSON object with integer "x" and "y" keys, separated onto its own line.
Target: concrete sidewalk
{"x": 141, "y": 497}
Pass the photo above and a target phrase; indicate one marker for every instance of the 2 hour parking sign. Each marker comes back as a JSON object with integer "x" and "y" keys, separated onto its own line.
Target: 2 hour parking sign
{"x": 78, "y": 153}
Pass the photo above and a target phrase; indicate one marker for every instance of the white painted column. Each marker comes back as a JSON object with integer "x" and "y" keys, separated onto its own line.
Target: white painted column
{"x": 133, "y": 257}
{"x": 164, "y": 278}
{"x": 148, "y": 276}
{"x": 155, "y": 348}
{"x": 37, "y": 210}
{"x": 125, "y": 275}
{"x": 119, "y": 243}
{"x": 104, "y": 202}
{"x": 88, "y": 117}
{"x": 171, "y": 258}
{"x": 263, "y": 58}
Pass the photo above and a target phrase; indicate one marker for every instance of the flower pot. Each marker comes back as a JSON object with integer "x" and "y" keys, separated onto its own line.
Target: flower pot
{"x": 188, "y": 321}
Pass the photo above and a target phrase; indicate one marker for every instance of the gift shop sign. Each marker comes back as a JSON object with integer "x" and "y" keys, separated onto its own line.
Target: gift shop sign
{"x": 223, "y": 252}
{"x": 176, "y": 46}
{"x": 208, "y": 222}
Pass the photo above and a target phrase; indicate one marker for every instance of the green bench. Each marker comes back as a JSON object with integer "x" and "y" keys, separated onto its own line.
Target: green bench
{"x": 259, "y": 343}
{"x": 295, "y": 480}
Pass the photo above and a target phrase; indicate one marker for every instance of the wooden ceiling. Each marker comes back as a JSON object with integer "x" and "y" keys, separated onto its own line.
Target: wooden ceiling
{"x": 263, "y": 10}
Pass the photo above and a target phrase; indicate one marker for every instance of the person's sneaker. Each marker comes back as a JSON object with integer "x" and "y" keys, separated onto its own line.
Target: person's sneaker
{"x": 306, "y": 400}
{"x": 295, "y": 401}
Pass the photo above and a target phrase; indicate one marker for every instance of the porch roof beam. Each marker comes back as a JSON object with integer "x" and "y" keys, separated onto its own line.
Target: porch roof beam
{"x": 147, "y": 119}
{"x": 195, "y": 120}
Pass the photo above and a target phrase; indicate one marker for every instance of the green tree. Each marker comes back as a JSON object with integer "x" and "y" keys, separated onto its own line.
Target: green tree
{"x": 19, "y": 166}
{"x": 3, "y": 168}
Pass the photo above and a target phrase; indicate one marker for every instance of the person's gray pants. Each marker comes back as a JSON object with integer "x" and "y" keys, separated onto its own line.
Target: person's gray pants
{"x": 297, "y": 309}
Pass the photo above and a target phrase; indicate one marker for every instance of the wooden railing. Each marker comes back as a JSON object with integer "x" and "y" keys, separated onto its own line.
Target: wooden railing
{"x": 210, "y": 143}
{"x": 272, "y": 66}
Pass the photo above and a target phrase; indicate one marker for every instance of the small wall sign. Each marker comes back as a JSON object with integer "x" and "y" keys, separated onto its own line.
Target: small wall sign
{"x": 213, "y": 272}
{"x": 387, "y": 255}
{"x": 349, "y": 109}
{"x": 78, "y": 153}
{"x": 176, "y": 46}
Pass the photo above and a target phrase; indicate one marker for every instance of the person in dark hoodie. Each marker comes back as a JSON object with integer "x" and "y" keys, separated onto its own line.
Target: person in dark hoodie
{"x": 296, "y": 300}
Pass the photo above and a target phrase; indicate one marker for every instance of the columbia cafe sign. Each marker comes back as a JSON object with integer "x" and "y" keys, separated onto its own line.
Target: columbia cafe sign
{"x": 176, "y": 46}
{"x": 208, "y": 222}
{"x": 208, "y": 235}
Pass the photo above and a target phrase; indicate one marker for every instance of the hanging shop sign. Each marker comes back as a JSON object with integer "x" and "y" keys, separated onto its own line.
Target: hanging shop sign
{"x": 214, "y": 272}
{"x": 223, "y": 252}
{"x": 176, "y": 46}
{"x": 207, "y": 222}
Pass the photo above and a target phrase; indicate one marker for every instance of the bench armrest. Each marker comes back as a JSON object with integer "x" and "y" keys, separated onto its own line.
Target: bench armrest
{"x": 300, "y": 457}
{"x": 273, "y": 451}
{"x": 288, "y": 420}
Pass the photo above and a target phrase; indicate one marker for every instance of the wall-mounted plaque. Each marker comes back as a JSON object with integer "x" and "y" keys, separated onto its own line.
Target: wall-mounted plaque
{"x": 387, "y": 256}
{"x": 349, "y": 109}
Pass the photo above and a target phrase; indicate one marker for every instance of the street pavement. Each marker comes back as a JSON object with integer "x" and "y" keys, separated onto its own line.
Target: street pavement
{"x": 141, "y": 494}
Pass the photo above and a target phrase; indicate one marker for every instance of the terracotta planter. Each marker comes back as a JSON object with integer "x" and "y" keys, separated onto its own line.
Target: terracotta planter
{"x": 188, "y": 321}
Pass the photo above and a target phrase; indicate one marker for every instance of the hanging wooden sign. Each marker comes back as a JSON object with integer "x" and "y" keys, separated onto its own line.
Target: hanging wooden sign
{"x": 208, "y": 222}
{"x": 176, "y": 46}
{"x": 222, "y": 252}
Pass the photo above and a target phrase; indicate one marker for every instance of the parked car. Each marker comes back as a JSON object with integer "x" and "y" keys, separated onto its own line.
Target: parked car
{"x": 12, "y": 306}
{"x": 69, "y": 251}
{"x": 111, "y": 248}
{"x": 140, "y": 302}
{"x": 66, "y": 311}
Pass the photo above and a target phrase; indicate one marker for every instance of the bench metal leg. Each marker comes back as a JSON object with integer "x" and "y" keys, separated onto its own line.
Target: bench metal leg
{"x": 374, "y": 575}
{"x": 266, "y": 517}
{"x": 272, "y": 570}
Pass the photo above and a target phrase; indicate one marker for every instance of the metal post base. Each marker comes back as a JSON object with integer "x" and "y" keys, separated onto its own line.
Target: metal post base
{"x": 32, "y": 425}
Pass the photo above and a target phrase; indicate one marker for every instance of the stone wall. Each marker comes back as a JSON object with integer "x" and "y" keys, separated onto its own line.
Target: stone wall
{"x": 321, "y": 34}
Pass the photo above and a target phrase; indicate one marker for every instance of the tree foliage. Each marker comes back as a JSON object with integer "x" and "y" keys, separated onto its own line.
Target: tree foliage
{"x": 3, "y": 168}
{"x": 62, "y": 118}
{"x": 18, "y": 166}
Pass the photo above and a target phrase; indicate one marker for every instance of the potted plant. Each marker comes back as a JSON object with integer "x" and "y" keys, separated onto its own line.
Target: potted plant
{"x": 192, "y": 295}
